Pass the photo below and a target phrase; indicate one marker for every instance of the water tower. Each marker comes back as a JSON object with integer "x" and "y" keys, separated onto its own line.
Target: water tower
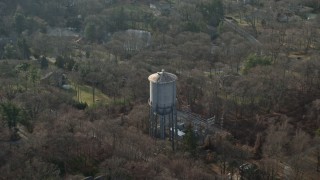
{"x": 163, "y": 113}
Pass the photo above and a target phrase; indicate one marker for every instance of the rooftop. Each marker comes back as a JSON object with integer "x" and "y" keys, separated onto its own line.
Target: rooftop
{"x": 162, "y": 77}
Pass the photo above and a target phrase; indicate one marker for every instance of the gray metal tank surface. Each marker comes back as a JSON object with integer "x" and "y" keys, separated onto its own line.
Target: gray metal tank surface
{"x": 162, "y": 92}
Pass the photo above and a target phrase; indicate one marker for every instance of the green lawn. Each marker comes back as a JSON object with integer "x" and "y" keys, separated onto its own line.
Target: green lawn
{"x": 85, "y": 93}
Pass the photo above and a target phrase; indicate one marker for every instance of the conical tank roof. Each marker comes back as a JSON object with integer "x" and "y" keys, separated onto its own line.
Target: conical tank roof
{"x": 162, "y": 77}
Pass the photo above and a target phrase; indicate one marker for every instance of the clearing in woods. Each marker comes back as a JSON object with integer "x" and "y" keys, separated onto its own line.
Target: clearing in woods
{"x": 84, "y": 94}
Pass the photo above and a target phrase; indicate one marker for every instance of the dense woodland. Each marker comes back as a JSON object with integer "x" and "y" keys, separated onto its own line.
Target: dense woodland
{"x": 74, "y": 87}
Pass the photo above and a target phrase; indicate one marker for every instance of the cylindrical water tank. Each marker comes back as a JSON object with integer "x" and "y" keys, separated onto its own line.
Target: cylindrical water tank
{"x": 162, "y": 92}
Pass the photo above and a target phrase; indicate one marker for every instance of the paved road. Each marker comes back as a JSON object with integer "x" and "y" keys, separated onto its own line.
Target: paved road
{"x": 242, "y": 32}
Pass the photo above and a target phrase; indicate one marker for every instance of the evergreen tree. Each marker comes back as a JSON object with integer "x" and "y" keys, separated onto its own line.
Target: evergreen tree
{"x": 213, "y": 11}
{"x": 190, "y": 141}
{"x": 90, "y": 32}
{"x": 44, "y": 63}
{"x": 19, "y": 22}
{"x": 11, "y": 115}
{"x": 24, "y": 49}
{"x": 60, "y": 62}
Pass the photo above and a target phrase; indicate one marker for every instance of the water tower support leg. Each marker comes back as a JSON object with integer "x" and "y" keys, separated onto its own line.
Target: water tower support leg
{"x": 172, "y": 130}
{"x": 170, "y": 126}
{"x": 150, "y": 122}
{"x": 175, "y": 116}
{"x": 162, "y": 127}
{"x": 155, "y": 127}
{"x": 175, "y": 123}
